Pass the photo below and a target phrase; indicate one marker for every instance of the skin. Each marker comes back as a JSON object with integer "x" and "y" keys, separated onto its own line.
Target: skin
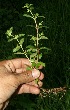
{"x": 15, "y": 79}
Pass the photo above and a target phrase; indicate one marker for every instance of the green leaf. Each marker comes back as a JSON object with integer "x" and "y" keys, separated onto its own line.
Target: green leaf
{"x": 42, "y": 48}
{"x": 40, "y": 64}
{"x": 16, "y": 37}
{"x": 31, "y": 8}
{"x": 36, "y": 81}
{"x": 41, "y": 16}
{"x": 34, "y": 50}
{"x": 33, "y": 64}
{"x": 19, "y": 53}
{"x": 40, "y": 56}
{"x": 28, "y": 68}
{"x": 9, "y": 32}
{"x": 16, "y": 48}
{"x": 28, "y": 16}
{"x": 9, "y": 40}
{"x": 33, "y": 55}
{"x": 30, "y": 46}
{"x": 40, "y": 24}
{"x": 29, "y": 50}
{"x": 20, "y": 35}
{"x": 43, "y": 37}
{"x": 36, "y": 15}
{"x": 26, "y": 5}
{"x": 33, "y": 38}
{"x": 43, "y": 64}
{"x": 21, "y": 41}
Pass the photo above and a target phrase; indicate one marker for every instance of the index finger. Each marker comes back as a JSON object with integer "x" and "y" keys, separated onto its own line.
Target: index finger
{"x": 15, "y": 64}
{"x": 20, "y": 62}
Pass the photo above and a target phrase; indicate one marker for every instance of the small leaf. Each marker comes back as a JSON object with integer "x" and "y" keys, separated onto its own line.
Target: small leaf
{"x": 21, "y": 41}
{"x": 33, "y": 55}
{"x": 16, "y": 48}
{"x": 31, "y": 8}
{"x": 30, "y": 46}
{"x": 41, "y": 16}
{"x": 28, "y": 16}
{"x": 34, "y": 50}
{"x": 41, "y": 36}
{"x": 29, "y": 50}
{"x": 9, "y": 32}
{"x": 28, "y": 68}
{"x": 9, "y": 40}
{"x": 42, "y": 48}
{"x": 36, "y": 15}
{"x": 26, "y": 5}
{"x": 33, "y": 64}
{"x": 40, "y": 64}
{"x": 36, "y": 81}
{"x": 16, "y": 37}
{"x": 40, "y": 24}
{"x": 33, "y": 38}
{"x": 43, "y": 64}
{"x": 20, "y": 35}
{"x": 40, "y": 56}
{"x": 30, "y": 5}
{"x": 19, "y": 53}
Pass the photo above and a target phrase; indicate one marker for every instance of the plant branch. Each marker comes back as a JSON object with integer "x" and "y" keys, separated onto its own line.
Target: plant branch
{"x": 24, "y": 52}
{"x": 37, "y": 41}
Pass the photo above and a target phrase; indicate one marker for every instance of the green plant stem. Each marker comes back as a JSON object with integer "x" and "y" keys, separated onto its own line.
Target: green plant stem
{"x": 37, "y": 41}
{"x": 32, "y": 14}
{"x": 37, "y": 31}
{"x": 24, "y": 52}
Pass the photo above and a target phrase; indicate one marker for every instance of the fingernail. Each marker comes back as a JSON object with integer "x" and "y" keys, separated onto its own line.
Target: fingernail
{"x": 35, "y": 73}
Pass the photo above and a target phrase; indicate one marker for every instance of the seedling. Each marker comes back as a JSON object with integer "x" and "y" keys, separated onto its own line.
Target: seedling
{"x": 33, "y": 52}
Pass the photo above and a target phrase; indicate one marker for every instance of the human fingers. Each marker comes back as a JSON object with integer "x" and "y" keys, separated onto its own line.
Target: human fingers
{"x": 10, "y": 82}
{"x": 20, "y": 62}
{"x": 16, "y": 65}
{"x": 33, "y": 83}
{"x": 27, "y": 76}
{"x": 26, "y": 88}
{"x": 41, "y": 76}
{"x": 40, "y": 83}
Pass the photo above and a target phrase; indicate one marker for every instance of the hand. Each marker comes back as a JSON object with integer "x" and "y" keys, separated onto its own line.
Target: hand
{"x": 14, "y": 78}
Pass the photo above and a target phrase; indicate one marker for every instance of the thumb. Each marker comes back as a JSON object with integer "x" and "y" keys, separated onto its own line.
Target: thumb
{"x": 27, "y": 76}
